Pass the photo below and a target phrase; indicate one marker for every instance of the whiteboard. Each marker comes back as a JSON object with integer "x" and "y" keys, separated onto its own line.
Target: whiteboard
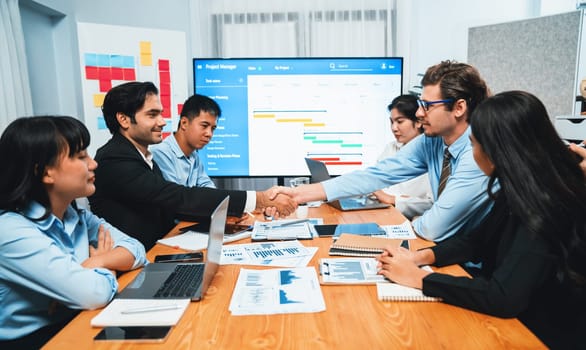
{"x": 111, "y": 55}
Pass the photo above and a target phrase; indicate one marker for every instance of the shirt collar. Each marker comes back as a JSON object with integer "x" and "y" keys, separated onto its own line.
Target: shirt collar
{"x": 36, "y": 210}
{"x": 148, "y": 157}
{"x": 461, "y": 144}
{"x": 175, "y": 147}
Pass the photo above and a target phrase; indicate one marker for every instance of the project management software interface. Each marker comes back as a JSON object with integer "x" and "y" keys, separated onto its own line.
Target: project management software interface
{"x": 276, "y": 112}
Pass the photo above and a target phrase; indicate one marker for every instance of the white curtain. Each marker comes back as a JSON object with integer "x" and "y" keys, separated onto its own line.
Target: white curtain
{"x": 309, "y": 28}
{"x": 15, "y": 95}
{"x": 284, "y": 28}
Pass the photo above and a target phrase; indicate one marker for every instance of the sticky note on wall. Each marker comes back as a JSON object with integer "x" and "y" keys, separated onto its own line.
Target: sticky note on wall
{"x": 146, "y": 54}
{"x": 99, "y": 100}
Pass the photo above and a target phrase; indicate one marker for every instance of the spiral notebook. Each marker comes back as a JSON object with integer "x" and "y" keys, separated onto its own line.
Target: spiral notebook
{"x": 397, "y": 292}
{"x": 358, "y": 245}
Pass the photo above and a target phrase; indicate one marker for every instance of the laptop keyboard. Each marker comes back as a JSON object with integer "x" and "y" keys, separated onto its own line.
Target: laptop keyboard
{"x": 182, "y": 282}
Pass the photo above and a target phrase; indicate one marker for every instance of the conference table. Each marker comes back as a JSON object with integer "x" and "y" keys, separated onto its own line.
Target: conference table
{"x": 354, "y": 318}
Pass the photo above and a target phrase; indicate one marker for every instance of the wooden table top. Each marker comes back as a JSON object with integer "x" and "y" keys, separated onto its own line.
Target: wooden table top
{"x": 354, "y": 317}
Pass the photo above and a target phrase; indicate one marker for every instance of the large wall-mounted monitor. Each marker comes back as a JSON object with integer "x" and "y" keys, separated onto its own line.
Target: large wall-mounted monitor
{"x": 277, "y": 111}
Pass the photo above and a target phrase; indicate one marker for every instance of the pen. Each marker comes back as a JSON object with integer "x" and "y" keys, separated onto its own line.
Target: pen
{"x": 139, "y": 310}
{"x": 293, "y": 222}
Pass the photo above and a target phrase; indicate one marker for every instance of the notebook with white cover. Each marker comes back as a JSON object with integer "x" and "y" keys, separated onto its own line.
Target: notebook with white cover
{"x": 141, "y": 312}
{"x": 397, "y": 292}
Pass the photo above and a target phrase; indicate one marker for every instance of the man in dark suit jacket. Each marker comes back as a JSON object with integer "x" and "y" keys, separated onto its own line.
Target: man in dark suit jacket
{"x": 131, "y": 192}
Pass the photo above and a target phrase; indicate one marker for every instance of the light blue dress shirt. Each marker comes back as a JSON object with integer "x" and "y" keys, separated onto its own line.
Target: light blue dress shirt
{"x": 463, "y": 203}
{"x": 176, "y": 167}
{"x": 40, "y": 267}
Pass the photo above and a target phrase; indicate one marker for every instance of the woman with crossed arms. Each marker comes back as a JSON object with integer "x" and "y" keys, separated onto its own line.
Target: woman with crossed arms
{"x": 55, "y": 259}
{"x": 532, "y": 245}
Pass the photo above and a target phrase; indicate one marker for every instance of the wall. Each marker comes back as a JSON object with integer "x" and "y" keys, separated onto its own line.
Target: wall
{"x": 536, "y": 55}
{"x": 63, "y": 15}
{"x": 37, "y": 26}
{"x": 438, "y": 30}
{"x": 428, "y": 31}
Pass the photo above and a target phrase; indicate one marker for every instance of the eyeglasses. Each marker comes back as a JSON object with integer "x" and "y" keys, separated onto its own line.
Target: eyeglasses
{"x": 425, "y": 104}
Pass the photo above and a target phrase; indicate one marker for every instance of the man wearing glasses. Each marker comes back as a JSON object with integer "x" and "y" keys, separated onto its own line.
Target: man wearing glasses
{"x": 451, "y": 91}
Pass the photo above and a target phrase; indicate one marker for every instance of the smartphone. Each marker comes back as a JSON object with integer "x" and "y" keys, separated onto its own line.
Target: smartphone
{"x": 325, "y": 230}
{"x": 185, "y": 257}
{"x": 236, "y": 228}
{"x": 134, "y": 334}
{"x": 229, "y": 230}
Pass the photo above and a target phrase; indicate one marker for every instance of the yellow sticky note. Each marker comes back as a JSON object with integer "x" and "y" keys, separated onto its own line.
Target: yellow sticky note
{"x": 99, "y": 100}
{"x": 145, "y": 47}
{"x": 146, "y": 59}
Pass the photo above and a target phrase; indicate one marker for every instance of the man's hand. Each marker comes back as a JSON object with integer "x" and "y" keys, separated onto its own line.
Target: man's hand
{"x": 384, "y": 197}
{"x": 300, "y": 194}
{"x": 278, "y": 204}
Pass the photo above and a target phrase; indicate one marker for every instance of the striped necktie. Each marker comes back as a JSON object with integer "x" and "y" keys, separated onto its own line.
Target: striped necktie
{"x": 446, "y": 170}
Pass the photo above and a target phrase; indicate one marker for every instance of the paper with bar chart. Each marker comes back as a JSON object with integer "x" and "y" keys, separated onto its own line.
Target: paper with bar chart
{"x": 277, "y": 291}
{"x": 283, "y": 254}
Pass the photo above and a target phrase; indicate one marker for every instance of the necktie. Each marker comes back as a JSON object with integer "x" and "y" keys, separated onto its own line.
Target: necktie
{"x": 446, "y": 170}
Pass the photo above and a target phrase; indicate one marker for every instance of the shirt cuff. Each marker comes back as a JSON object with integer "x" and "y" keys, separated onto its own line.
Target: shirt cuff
{"x": 112, "y": 281}
{"x": 137, "y": 250}
{"x": 400, "y": 203}
{"x": 250, "y": 205}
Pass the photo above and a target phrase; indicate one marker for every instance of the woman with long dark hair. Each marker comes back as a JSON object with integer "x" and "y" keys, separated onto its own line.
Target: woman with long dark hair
{"x": 532, "y": 246}
{"x": 55, "y": 259}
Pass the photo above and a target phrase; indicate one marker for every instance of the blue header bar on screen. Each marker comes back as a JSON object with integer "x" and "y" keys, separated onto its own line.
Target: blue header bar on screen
{"x": 335, "y": 66}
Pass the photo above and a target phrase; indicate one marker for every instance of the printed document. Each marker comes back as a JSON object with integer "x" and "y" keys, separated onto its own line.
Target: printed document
{"x": 277, "y": 291}
{"x": 350, "y": 271}
{"x": 402, "y": 231}
{"x": 279, "y": 253}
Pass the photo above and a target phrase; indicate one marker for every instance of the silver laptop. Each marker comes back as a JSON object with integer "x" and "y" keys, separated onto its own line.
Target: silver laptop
{"x": 182, "y": 280}
{"x": 319, "y": 172}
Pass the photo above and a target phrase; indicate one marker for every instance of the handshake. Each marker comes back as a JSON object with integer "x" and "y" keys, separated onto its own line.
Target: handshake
{"x": 280, "y": 201}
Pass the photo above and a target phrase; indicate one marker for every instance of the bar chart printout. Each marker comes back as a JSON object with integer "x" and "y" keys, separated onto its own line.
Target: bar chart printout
{"x": 277, "y": 291}
{"x": 278, "y": 253}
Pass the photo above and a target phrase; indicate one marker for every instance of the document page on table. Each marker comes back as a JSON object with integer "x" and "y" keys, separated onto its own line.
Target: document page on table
{"x": 280, "y": 253}
{"x": 277, "y": 291}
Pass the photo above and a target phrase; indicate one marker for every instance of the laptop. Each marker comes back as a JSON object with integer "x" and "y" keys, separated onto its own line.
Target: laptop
{"x": 182, "y": 280}
{"x": 319, "y": 172}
